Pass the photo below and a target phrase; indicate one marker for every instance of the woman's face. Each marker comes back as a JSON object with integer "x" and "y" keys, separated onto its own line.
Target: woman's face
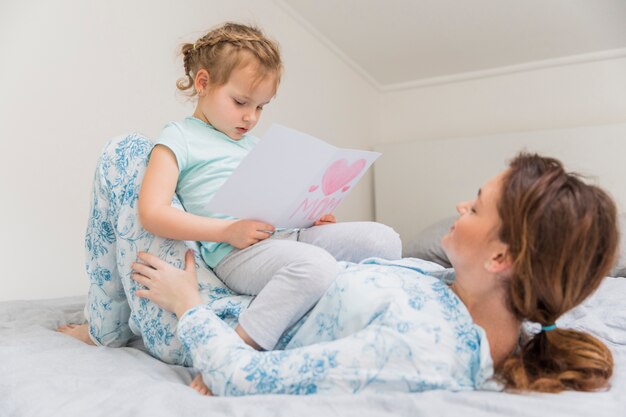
{"x": 473, "y": 239}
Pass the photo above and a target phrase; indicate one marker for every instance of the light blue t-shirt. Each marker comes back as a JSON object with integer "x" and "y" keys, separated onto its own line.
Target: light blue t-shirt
{"x": 206, "y": 158}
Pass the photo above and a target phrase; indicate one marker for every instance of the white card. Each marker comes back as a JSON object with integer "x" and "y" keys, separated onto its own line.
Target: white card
{"x": 290, "y": 179}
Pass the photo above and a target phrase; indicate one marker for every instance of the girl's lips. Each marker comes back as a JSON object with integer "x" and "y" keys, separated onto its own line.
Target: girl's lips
{"x": 242, "y": 130}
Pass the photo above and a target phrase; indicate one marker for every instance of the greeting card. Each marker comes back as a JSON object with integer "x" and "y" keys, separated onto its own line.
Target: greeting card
{"x": 290, "y": 179}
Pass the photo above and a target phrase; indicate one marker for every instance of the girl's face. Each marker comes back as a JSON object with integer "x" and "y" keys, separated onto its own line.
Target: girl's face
{"x": 473, "y": 239}
{"x": 234, "y": 108}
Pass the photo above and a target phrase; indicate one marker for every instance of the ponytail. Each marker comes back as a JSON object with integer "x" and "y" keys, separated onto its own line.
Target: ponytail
{"x": 558, "y": 360}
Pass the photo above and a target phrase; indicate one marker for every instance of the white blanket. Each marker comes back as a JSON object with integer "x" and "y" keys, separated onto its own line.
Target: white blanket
{"x": 45, "y": 373}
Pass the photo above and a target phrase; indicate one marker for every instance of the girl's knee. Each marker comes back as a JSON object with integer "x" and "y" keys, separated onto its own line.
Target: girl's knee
{"x": 324, "y": 270}
{"x": 319, "y": 268}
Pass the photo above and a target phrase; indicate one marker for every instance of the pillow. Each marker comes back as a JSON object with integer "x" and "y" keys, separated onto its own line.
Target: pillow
{"x": 427, "y": 243}
{"x": 619, "y": 270}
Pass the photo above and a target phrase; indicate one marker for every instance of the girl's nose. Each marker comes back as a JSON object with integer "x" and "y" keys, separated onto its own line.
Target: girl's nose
{"x": 462, "y": 207}
{"x": 250, "y": 117}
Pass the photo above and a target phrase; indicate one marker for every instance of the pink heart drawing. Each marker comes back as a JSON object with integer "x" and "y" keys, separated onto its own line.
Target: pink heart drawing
{"x": 339, "y": 174}
{"x": 313, "y": 188}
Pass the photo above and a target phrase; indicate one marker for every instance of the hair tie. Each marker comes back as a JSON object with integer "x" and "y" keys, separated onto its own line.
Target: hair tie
{"x": 548, "y": 328}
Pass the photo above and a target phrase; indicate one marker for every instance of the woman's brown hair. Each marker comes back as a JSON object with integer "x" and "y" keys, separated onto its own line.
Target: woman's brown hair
{"x": 562, "y": 237}
{"x": 225, "y": 48}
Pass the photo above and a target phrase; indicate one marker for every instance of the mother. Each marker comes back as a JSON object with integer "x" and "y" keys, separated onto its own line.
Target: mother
{"x": 534, "y": 243}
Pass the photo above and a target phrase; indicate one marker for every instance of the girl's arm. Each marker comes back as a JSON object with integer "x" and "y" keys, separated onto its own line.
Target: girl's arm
{"x": 159, "y": 217}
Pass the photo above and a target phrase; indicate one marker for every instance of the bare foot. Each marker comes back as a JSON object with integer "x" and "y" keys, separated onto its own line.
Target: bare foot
{"x": 77, "y": 331}
{"x": 198, "y": 385}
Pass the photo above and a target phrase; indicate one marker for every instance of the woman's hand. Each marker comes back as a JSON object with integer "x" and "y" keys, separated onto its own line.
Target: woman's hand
{"x": 325, "y": 219}
{"x": 174, "y": 289}
{"x": 244, "y": 233}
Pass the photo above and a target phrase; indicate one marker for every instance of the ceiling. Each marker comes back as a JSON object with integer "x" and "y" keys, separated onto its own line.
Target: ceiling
{"x": 397, "y": 43}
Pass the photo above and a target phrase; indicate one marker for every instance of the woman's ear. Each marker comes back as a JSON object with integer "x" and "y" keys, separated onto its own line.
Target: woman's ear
{"x": 201, "y": 82}
{"x": 500, "y": 261}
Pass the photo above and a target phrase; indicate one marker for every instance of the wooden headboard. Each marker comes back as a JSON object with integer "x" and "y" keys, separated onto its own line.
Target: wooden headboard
{"x": 418, "y": 183}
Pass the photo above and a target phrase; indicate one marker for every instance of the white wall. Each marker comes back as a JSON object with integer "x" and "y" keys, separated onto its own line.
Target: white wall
{"x": 563, "y": 96}
{"x": 455, "y": 168}
{"x": 74, "y": 73}
{"x": 542, "y": 100}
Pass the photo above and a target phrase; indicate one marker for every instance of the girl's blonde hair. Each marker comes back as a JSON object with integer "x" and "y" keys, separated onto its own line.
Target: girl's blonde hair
{"x": 562, "y": 234}
{"x": 226, "y": 48}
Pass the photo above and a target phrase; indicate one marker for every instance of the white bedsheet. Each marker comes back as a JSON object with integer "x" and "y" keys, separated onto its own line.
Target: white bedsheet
{"x": 45, "y": 373}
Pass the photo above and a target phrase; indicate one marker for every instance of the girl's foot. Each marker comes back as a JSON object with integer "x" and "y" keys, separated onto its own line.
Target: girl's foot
{"x": 77, "y": 331}
{"x": 198, "y": 385}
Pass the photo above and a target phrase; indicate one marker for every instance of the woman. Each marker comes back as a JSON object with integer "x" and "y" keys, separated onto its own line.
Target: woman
{"x": 534, "y": 243}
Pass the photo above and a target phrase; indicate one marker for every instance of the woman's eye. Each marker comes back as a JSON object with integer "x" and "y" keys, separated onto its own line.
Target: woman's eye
{"x": 259, "y": 108}
{"x": 473, "y": 209}
{"x": 239, "y": 102}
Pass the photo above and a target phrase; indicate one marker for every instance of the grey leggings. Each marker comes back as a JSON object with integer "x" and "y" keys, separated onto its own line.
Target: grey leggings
{"x": 290, "y": 271}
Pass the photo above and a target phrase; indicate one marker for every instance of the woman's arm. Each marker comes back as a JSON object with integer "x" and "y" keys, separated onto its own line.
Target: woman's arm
{"x": 363, "y": 361}
{"x": 230, "y": 367}
{"x": 159, "y": 217}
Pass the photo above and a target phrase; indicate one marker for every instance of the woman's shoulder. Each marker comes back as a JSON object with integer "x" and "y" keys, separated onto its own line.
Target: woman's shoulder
{"x": 400, "y": 285}
{"x": 420, "y": 308}
{"x": 405, "y": 289}
{"x": 411, "y": 308}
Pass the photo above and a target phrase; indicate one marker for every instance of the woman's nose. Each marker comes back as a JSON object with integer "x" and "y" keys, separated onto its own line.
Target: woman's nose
{"x": 461, "y": 207}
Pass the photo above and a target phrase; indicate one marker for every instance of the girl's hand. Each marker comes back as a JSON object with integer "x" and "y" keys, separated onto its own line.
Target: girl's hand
{"x": 174, "y": 289}
{"x": 244, "y": 233}
{"x": 325, "y": 219}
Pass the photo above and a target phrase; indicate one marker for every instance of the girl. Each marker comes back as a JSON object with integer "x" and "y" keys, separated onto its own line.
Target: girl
{"x": 234, "y": 70}
{"x": 533, "y": 244}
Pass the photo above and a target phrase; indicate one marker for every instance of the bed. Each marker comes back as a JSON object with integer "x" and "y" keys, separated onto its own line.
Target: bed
{"x": 45, "y": 373}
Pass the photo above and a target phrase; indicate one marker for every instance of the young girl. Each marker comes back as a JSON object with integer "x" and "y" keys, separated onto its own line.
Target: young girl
{"x": 235, "y": 71}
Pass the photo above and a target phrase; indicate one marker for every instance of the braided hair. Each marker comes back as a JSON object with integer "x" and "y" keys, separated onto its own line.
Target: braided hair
{"x": 225, "y": 48}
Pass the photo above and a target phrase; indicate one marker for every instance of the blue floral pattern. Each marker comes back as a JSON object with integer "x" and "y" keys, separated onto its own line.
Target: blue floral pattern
{"x": 113, "y": 238}
{"x": 382, "y": 326}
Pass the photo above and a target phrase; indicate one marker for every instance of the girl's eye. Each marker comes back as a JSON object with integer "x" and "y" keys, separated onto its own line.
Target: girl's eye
{"x": 238, "y": 102}
{"x": 259, "y": 108}
{"x": 473, "y": 209}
